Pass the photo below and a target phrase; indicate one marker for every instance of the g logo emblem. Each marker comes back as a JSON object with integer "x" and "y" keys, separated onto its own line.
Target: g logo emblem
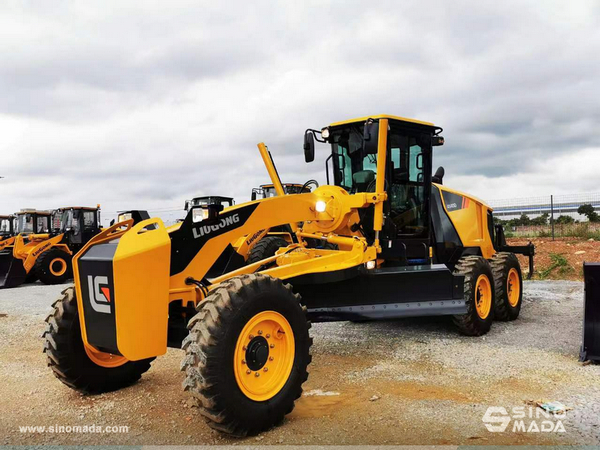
{"x": 99, "y": 293}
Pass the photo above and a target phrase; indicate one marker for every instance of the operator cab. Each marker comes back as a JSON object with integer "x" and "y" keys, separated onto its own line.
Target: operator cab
{"x": 406, "y": 231}
{"x": 207, "y": 206}
{"x": 32, "y": 221}
{"x": 78, "y": 223}
{"x": 268, "y": 190}
{"x": 7, "y": 226}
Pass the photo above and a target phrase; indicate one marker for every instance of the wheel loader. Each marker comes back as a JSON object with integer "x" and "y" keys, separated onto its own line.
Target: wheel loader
{"x": 26, "y": 222}
{"x": 45, "y": 251}
{"x": 405, "y": 246}
{"x": 45, "y": 245}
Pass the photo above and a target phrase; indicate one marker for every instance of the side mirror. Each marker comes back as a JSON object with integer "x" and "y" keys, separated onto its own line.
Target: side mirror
{"x": 370, "y": 138}
{"x": 367, "y": 130}
{"x": 436, "y": 141}
{"x": 112, "y": 222}
{"x": 253, "y": 197}
{"x": 309, "y": 147}
{"x": 187, "y": 205}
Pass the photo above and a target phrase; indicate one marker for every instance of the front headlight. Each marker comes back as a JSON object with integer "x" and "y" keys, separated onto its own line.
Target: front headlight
{"x": 321, "y": 206}
{"x": 325, "y": 133}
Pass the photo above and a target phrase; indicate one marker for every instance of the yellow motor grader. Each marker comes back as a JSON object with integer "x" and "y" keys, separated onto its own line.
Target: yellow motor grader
{"x": 405, "y": 247}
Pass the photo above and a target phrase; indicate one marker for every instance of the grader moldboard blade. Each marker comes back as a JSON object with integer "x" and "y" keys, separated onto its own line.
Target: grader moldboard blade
{"x": 12, "y": 272}
{"x": 590, "y": 349}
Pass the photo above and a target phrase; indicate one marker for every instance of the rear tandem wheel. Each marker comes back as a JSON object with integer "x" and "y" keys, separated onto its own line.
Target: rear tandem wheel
{"x": 479, "y": 296}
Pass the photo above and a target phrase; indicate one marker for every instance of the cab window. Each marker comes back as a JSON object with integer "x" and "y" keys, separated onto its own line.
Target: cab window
{"x": 89, "y": 222}
{"x": 42, "y": 224}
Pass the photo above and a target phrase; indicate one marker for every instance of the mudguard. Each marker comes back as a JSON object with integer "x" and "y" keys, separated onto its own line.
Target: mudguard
{"x": 123, "y": 287}
{"x": 590, "y": 349}
{"x": 7, "y": 242}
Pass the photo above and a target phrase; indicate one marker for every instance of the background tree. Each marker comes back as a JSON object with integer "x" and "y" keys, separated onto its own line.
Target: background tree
{"x": 564, "y": 219}
{"x": 588, "y": 211}
{"x": 541, "y": 220}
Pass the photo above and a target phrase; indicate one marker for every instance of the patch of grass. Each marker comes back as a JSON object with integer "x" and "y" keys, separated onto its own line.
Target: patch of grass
{"x": 558, "y": 262}
{"x": 583, "y": 231}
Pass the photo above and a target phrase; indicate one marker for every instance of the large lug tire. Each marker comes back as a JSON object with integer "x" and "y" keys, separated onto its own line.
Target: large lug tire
{"x": 72, "y": 364}
{"x": 53, "y": 266}
{"x": 479, "y": 296}
{"x": 265, "y": 248}
{"x": 247, "y": 354}
{"x": 509, "y": 286}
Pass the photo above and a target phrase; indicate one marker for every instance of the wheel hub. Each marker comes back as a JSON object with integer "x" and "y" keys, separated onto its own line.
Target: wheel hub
{"x": 264, "y": 355}
{"x": 257, "y": 353}
{"x": 483, "y": 296}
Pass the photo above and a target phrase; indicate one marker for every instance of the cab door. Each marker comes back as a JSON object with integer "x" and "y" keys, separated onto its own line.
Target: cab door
{"x": 406, "y": 234}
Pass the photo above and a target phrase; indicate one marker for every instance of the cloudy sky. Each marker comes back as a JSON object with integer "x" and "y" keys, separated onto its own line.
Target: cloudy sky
{"x": 144, "y": 104}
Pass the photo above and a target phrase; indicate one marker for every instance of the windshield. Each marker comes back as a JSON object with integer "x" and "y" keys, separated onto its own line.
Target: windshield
{"x": 354, "y": 170}
{"x": 204, "y": 201}
{"x": 66, "y": 220}
{"x": 269, "y": 191}
{"x": 406, "y": 182}
{"x": 25, "y": 223}
{"x": 4, "y": 226}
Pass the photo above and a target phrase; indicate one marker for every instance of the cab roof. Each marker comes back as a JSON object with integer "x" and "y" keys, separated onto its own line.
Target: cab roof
{"x": 6, "y": 216}
{"x": 382, "y": 116}
{"x": 34, "y": 211}
{"x": 283, "y": 184}
{"x": 86, "y": 208}
{"x": 212, "y": 196}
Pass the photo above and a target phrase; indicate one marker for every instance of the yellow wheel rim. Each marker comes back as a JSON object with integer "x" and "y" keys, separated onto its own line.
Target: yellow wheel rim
{"x": 264, "y": 355}
{"x": 483, "y": 296}
{"x": 58, "y": 267}
{"x": 513, "y": 287}
{"x": 104, "y": 359}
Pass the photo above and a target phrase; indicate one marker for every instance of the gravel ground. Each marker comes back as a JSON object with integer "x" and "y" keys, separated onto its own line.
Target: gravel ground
{"x": 398, "y": 382}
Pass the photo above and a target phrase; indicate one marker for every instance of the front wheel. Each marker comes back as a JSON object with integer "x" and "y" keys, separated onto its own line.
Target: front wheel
{"x": 247, "y": 354}
{"x": 53, "y": 266}
{"x": 83, "y": 368}
{"x": 479, "y": 296}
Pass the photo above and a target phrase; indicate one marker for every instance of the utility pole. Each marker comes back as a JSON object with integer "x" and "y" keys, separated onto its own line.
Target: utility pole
{"x": 552, "y": 214}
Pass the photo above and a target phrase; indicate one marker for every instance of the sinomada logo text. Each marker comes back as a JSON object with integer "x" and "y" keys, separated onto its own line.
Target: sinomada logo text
{"x": 524, "y": 419}
{"x": 208, "y": 229}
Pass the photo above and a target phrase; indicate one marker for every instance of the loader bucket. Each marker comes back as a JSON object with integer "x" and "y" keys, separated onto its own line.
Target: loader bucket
{"x": 12, "y": 272}
{"x": 590, "y": 349}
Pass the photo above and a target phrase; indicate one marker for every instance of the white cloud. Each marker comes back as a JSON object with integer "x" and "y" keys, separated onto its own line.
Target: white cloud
{"x": 142, "y": 105}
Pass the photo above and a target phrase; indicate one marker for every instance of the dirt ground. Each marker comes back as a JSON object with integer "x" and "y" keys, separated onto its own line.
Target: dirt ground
{"x": 398, "y": 382}
{"x": 575, "y": 251}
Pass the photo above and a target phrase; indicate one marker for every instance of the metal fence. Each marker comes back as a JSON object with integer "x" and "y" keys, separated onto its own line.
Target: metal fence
{"x": 554, "y": 206}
